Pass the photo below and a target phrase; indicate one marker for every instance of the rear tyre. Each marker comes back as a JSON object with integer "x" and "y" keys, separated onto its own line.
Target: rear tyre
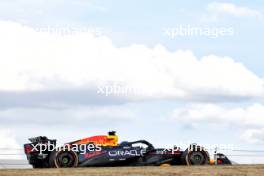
{"x": 196, "y": 158}
{"x": 63, "y": 159}
{"x": 195, "y": 155}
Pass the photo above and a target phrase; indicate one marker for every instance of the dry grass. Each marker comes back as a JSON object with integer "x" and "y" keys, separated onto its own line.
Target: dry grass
{"x": 238, "y": 170}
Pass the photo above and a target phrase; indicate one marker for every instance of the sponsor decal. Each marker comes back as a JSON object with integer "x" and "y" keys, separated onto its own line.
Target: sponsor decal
{"x": 116, "y": 153}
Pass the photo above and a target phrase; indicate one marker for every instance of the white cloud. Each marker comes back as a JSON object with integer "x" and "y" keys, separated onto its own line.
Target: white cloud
{"x": 33, "y": 61}
{"x": 249, "y": 118}
{"x": 253, "y": 135}
{"x": 210, "y": 113}
{"x": 233, "y": 10}
{"x": 9, "y": 145}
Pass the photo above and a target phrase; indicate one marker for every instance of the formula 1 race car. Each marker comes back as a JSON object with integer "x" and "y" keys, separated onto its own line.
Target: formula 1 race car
{"x": 106, "y": 151}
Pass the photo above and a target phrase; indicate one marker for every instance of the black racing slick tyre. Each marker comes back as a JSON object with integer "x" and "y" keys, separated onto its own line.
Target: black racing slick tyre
{"x": 63, "y": 159}
{"x": 196, "y": 158}
{"x": 195, "y": 155}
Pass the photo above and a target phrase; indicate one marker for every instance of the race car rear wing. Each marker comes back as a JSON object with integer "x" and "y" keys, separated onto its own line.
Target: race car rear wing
{"x": 42, "y": 139}
{"x": 29, "y": 147}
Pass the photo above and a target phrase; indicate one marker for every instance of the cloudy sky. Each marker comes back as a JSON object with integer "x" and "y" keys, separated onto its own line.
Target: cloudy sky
{"x": 75, "y": 68}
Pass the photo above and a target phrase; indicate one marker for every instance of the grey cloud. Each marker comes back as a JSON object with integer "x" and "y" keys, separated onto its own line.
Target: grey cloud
{"x": 57, "y": 98}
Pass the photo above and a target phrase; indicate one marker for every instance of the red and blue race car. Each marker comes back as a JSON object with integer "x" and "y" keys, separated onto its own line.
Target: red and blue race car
{"x": 105, "y": 150}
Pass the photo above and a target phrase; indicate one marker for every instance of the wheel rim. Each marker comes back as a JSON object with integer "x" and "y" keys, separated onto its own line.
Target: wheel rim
{"x": 65, "y": 160}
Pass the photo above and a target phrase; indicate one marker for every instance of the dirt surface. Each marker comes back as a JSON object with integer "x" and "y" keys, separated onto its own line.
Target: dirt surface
{"x": 238, "y": 170}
